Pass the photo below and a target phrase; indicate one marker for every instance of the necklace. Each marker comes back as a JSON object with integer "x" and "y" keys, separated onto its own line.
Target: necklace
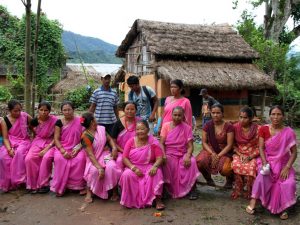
{"x": 126, "y": 125}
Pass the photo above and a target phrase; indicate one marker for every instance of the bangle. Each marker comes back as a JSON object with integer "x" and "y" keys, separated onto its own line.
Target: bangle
{"x": 114, "y": 148}
{"x": 64, "y": 154}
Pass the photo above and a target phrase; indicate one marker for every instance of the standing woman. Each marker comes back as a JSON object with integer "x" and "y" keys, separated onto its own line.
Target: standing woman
{"x": 101, "y": 172}
{"x": 180, "y": 170}
{"x": 177, "y": 99}
{"x": 217, "y": 142}
{"x": 43, "y": 128}
{"x": 142, "y": 180}
{"x": 275, "y": 189}
{"x": 69, "y": 160}
{"x": 245, "y": 153}
{"x": 124, "y": 129}
{"x": 16, "y": 145}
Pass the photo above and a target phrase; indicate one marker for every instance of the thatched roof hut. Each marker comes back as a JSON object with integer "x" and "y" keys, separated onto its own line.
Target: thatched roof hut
{"x": 75, "y": 77}
{"x": 212, "y": 56}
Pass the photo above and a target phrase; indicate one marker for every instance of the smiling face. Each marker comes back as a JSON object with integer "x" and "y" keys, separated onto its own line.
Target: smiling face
{"x": 130, "y": 110}
{"x": 43, "y": 112}
{"x": 276, "y": 117}
{"x": 16, "y": 111}
{"x": 141, "y": 131}
{"x": 216, "y": 114}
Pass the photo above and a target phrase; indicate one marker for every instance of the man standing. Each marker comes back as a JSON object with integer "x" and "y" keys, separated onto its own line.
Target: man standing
{"x": 104, "y": 102}
{"x": 144, "y": 97}
{"x": 207, "y": 102}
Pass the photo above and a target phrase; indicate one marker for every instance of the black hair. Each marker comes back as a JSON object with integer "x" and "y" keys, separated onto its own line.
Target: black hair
{"x": 67, "y": 103}
{"x": 86, "y": 119}
{"x": 44, "y": 103}
{"x": 12, "y": 103}
{"x": 143, "y": 122}
{"x": 179, "y": 83}
{"x": 128, "y": 103}
{"x": 218, "y": 105}
{"x": 276, "y": 107}
{"x": 248, "y": 111}
{"x": 178, "y": 108}
{"x": 133, "y": 80}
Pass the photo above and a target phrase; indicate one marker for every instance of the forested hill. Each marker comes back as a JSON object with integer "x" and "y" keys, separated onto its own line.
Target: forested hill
{"x": 90, "y": 50}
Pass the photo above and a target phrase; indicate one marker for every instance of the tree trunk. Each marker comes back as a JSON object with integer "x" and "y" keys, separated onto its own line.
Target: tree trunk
{"x": 34, "y": 58}
{"x": 27, "y": 88}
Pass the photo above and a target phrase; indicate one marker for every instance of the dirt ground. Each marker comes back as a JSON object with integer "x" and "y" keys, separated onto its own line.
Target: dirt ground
{"x": 213, "y": 207}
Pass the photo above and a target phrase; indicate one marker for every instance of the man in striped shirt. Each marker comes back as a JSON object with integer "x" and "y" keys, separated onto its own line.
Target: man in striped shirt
{"x": 104, "y": 102}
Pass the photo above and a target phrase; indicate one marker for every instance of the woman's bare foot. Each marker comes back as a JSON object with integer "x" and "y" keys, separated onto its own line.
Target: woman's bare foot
{"x": 159, "y": 204}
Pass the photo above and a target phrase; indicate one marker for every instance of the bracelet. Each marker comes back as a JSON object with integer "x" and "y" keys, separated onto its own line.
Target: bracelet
{"x": 64, "y": 154}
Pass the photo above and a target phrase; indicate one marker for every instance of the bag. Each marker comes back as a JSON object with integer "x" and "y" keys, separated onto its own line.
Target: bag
{"x": 147, "y": 94}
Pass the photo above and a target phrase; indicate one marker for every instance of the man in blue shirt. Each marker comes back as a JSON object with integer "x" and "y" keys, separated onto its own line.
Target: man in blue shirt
{"x": 104, "y": 102}
{"x": 144, "y": 97}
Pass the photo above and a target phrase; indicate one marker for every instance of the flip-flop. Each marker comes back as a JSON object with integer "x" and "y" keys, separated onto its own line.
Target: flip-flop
{"x": 193, "y": 196}
{"x": 249, "y": 210}
{"x": 160, "y": 206}
{"x": 284, "y": 215}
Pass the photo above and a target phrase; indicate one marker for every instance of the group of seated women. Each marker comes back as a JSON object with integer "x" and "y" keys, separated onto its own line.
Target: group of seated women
{"x": 86, "y": 158}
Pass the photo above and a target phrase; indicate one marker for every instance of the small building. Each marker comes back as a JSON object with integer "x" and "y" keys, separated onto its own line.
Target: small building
{"x": 202, "y": 56}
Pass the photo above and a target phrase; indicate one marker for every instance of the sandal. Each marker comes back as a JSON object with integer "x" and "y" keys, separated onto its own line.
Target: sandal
{"x": 249, "y": 210}
{"x": 160, "y": 206}
{"x": 284, "y": 215}
{"x": 193, "y": 195}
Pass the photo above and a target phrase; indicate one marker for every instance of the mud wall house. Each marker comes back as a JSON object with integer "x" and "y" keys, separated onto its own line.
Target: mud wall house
{"x": 4, "y": 71}
{"x": 203, "y": 56}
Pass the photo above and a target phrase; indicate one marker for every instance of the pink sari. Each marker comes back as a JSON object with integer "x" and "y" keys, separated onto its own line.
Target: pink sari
{"x": 68, "y": 173}
{"x": 184, "y": 103}
{"x": 44, "y": 136}
{"x": 12, "y": 169}
{"x": 122, "y": 139}
{"x": 277, "y": 194}
{"x": 179, "y": 180}
{"x": 139, "y": 192}
{"x": 100, "y": 187}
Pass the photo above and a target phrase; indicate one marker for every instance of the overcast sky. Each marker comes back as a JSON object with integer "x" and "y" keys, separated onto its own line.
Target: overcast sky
{"x": 110, "y": 20}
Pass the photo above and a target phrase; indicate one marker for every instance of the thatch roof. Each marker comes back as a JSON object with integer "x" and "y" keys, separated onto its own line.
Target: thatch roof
{"x": 216, "y": 75}
{"x": 189, "y": 40}
{"x": 75, "y": 78}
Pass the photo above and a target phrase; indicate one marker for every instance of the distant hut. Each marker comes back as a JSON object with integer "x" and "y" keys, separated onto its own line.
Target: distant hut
{"x": 210, "y": 56}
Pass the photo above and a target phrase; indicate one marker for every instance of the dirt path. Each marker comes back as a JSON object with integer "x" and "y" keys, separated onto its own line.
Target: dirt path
{"x": 213, "y": 207}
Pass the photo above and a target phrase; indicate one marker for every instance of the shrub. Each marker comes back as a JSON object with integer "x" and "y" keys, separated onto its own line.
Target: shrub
{"x": 80, "y": 97}
{"x": 5, "y": 94}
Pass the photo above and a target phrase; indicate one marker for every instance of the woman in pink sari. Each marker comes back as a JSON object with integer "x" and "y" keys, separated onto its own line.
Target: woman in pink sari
{"x": 180, "y": 169}
{"x": 245, "y": 153}
{"x": 124, "y": 129}
{"x": 275, "y": 184}
{"x": 142, "y": 180}
{"x": 43, "y": 127}
{"x": 69, "y": 160}
{"x": 177, "y": 99}
{"x": 16, "y": 145}
{"x": 101, "y": 172}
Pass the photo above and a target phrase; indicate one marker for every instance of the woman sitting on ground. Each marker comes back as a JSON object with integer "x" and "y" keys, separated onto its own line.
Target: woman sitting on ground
{"x": 101, "y": 172}
{"x": 142, "y": 179}
{"x": 16, "y": 142}
{"x": 69, "y": 160}
{"x": 124, "y": 129}
{"x": 275, "y": 187}
{"x": 180, "y": 169}
{"x": 43, "y": 127}
{"x": 245, "y": 153}
{"x": 217, "y": 142}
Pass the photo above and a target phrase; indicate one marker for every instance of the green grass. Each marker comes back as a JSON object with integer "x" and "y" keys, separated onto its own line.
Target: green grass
{"x": 297, "y": 130}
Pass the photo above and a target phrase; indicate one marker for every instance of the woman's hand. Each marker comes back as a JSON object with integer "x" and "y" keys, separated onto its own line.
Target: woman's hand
{"x": 137, "y": 172}
{"x": 11, "y": 152}
{"x": 74, "y": 153}
{"x": 164, "y": 160}
{"x": 187, "y": 161}
{"x": 284, "y": 174}
{"x": 114, "y": 153}
{"x": 215, "y": 160}
{"x": 101, "y": 172}
{"x": 65, "y": 154}
{"x": 43, "y": 152}
{"x": 244, "y": 158}
{"x": 153, "y": 171}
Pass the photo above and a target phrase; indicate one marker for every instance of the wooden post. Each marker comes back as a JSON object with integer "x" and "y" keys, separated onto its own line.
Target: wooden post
{"x": 263, "y": 104}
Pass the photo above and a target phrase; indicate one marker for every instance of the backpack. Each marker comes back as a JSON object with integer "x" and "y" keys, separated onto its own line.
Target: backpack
{"x": 147, "y": 94}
